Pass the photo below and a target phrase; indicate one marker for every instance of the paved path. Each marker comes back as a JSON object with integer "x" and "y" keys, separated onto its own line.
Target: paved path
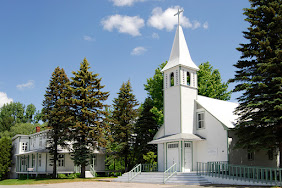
{"x": 106, "y": 185}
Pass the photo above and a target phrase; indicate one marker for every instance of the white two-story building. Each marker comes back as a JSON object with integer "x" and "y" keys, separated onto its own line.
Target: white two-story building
{"x": 30, "y": 156}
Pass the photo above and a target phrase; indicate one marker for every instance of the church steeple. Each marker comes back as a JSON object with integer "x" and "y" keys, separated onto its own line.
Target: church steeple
{"x": 179, "y": 54}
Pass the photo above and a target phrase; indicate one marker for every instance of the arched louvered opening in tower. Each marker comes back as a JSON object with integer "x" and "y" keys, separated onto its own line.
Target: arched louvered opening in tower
{"x": 172, "y": 79}
{"x": 188, "y": 78}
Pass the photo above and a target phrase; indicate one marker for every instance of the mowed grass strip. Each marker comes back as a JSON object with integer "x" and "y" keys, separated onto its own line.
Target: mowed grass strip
{"x": 50, "y": 181}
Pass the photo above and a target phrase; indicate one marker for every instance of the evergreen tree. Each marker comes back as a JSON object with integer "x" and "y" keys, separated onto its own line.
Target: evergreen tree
{"x": 89, "y": 129}
{"x": 54, "y": 113}
{"x": 5, "y": 159}
{"x": 124, "y": 117}
{"x": 259, "y": 78}
{"x": 146, "y": 127}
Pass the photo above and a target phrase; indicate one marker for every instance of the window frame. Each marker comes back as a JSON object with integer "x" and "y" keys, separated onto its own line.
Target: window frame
{"x": 202, "y": 120}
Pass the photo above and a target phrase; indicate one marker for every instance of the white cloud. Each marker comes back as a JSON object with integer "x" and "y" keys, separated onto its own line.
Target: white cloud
{"x": 138, "y": 50}
{"x": 155, "y": 36}
{"x": 206, "y": 25}
{"x": 122, "y": 3}
{"x": 124, "y": 24}
{"x": 29, "y": 84}
{"x": 166, "y": 20}
{"x": 88, "y": 38}
{"x": 4, "y": 99}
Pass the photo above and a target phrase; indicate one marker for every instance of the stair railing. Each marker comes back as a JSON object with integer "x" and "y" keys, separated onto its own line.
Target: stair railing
{"x": 134, "y": 172}
{"x": 170, "y": 172}
{"x": 92, "y": 171}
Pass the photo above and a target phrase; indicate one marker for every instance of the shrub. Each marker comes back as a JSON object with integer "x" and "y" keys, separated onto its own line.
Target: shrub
{"x": 72, "y": 176}
{"x": 62, "y": 176}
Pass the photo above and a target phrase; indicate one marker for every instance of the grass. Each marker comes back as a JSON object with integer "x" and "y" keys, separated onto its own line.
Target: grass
{"x": 49, "y": 181}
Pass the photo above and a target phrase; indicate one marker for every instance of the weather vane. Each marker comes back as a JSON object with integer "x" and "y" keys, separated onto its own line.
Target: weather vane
{"x": 178, "y": 13}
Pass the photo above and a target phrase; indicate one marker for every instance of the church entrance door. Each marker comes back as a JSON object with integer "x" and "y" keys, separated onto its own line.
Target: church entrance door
{"x": 187, "y": 156}
{"x": 172, "y": 154}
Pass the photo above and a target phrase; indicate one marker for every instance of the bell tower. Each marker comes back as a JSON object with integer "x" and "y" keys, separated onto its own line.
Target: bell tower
{"x": 180, "y": 87}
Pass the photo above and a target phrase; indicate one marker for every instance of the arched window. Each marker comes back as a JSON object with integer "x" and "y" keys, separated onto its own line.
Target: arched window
{"x": 188, "y": 78}
{"x": 172, "y": 79}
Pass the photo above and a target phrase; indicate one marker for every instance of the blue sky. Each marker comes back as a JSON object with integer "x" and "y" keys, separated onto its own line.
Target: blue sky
{"x": 122, "y": 39}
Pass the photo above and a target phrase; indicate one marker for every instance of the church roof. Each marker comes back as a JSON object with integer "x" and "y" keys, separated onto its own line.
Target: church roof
{"x": 177, "y": 137}
{"x": 223, "y": 111}
{"x": 179, "y": 54}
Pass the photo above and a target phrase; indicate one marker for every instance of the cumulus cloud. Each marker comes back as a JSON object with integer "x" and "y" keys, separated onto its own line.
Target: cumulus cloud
{"x": 124, "y": 24}
{"x": 88, "y": 38}
{"x": 138, "y": 50}
{"x": 29, "y": 84}
{"x": 4, "y": 99}
{"x": 206, "y": 25}
{"x": 166, "y": 20}
{"x": 155, "y": 36}
{"x": 122, "y": 3}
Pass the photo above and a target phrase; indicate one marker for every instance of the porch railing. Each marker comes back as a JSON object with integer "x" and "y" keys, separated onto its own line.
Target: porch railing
{"x": 149, "y": 167}
{"x": 92, "y": 171}
{"x": 169, "y": 172}
{"x": 271, "y": 176}
{"x": 134, "y": 172}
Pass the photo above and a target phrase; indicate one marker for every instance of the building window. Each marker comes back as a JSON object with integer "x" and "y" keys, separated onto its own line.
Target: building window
{"x": 24, "y": 146}
{"x": 188, "y": 78}
{"x": 172, "y": 145}
{"x": 251, "y": 156}
{"x": 270, "y": 154}
{"x": 40, "y": 142}
{"x": 200, "y": 120}
{"x": 187, "y": 145}
{"x": 33, "y": 160}
{"x": 39, "y": 159}
{"x": 172, "y": 79}
{"x": 61, "y": 160}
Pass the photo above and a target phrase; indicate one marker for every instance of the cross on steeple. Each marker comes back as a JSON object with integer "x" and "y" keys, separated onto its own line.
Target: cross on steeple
{"x": 178, "y": 13}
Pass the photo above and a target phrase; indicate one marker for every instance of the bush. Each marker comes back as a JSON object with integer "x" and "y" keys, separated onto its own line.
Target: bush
{"x": 72, "y": 176}
{"x": 62, "y": 176}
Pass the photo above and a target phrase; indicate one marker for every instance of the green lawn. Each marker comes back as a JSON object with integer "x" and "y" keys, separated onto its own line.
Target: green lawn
{"x": 49, "y": 181}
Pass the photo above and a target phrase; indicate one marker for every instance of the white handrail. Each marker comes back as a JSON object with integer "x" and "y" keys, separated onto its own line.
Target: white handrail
{"x": 169, "y": 172}
{"x": 92, "y": 171}
{"x": 134, "y": 172}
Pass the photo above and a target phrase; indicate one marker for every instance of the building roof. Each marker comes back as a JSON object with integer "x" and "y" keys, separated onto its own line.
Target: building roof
{"x": 22, "y": 135}
{"x": 179, "y": 54}
{"x": 177, "y": 137}
{"x": 223, "y": 111}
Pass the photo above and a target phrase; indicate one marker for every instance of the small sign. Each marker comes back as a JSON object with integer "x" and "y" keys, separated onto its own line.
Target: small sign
{"x": 30, "y": 169}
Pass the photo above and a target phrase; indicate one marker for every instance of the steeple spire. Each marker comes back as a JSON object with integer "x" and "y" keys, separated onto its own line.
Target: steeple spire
{"x": 178, "y": 13}
{"x": 179, "y": 54}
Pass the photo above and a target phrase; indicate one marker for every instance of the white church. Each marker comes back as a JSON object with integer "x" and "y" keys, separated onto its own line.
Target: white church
{"x": 197, "y": 128}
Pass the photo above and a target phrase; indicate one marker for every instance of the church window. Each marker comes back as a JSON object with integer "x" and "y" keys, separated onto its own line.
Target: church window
{"x": 251, "y": 156}
{"x": 200, "y": 120}
{"x": 187, "y": 145}
{"x": 172, "y": 79}
{"x": 188, "y": 78}
{"x": 172, "y": 145}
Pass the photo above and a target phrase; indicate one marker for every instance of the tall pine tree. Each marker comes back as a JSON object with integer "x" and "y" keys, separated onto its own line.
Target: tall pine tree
{"x": 146, "y": 127}
{"x": 54, "y": 113}
{"x": 88, "y": 130}
{"x": 259, "y": 78}
{"x": 124, "y": 117}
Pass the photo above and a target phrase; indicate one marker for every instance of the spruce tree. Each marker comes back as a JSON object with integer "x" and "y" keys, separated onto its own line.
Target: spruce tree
{"x": 259, "y": 78}
{"x": 54, "y": 113}
{"x": 5, "y": 159}
{"x": 124, "y": 117}
{"x": 89, "y": 130}
{"x": 146, "y": 127}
